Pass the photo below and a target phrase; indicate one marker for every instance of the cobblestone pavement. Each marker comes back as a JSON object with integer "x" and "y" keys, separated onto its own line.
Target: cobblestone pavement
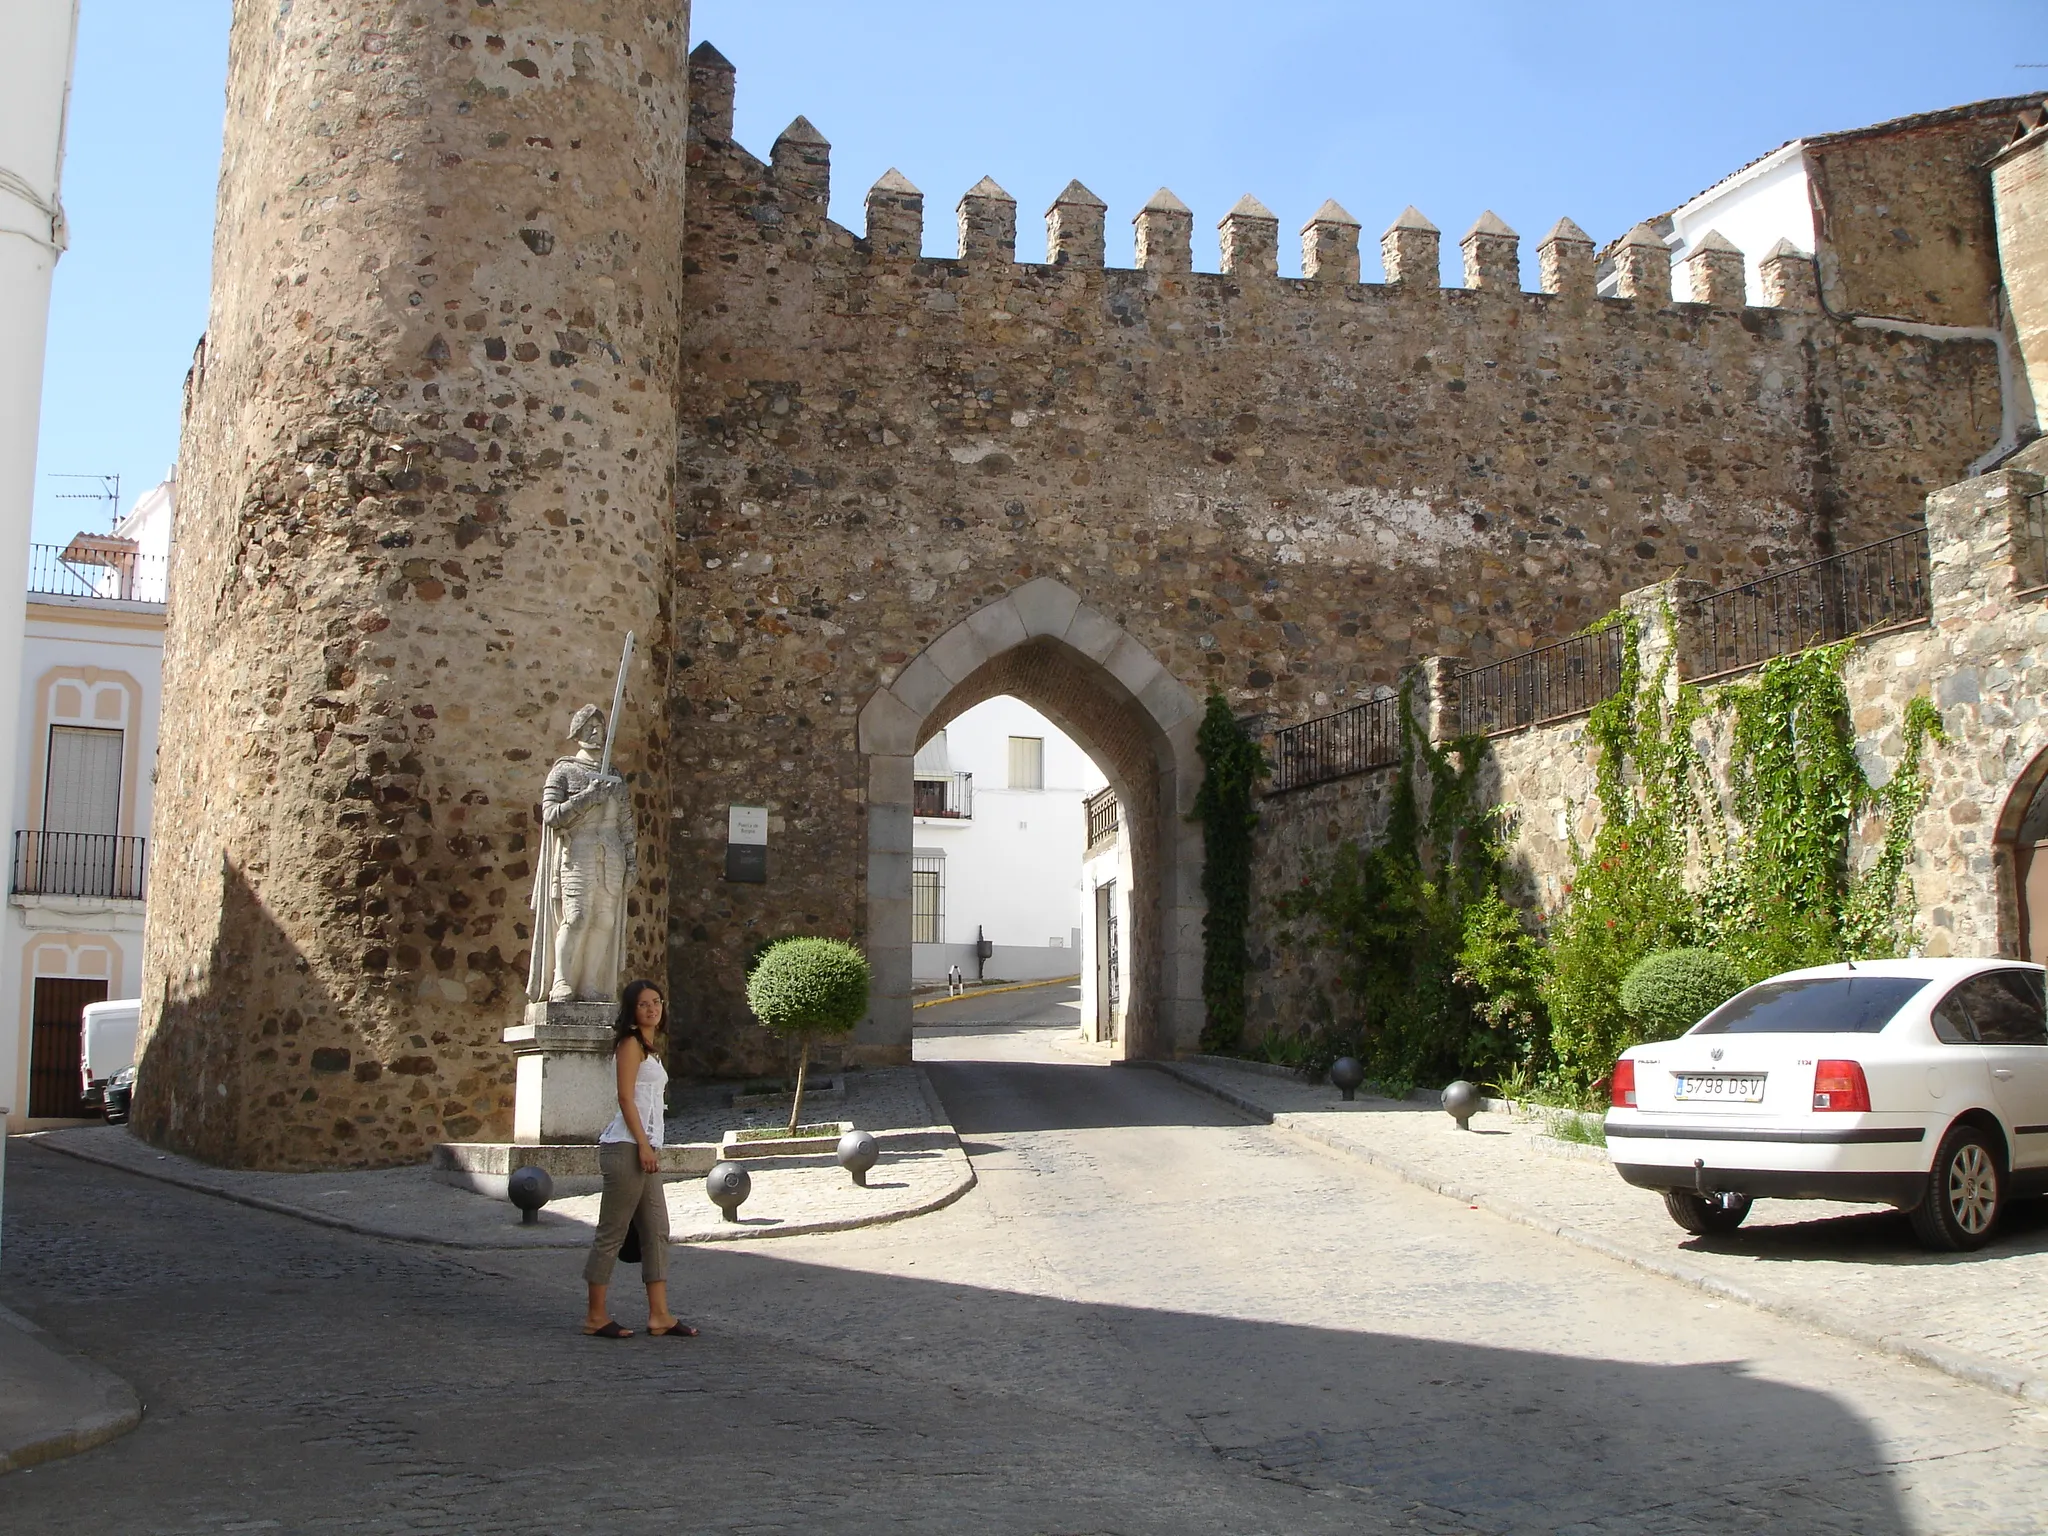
{"x": 1853, "y": 1269}
{"x": 1150, "y": 1316}
{"x": 922, "y": 1168}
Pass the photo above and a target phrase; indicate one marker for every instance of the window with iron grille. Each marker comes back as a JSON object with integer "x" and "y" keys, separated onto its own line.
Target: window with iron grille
{"x": 927, "y": 898}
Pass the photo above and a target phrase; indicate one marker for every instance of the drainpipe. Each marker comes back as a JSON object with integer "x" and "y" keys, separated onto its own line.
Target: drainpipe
{"x": 2008, "y": 404}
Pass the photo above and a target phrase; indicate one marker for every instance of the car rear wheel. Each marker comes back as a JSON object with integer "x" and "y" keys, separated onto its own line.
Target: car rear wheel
{"x": 1965, "y": 1191}
{"x": 1705, "y": 1217}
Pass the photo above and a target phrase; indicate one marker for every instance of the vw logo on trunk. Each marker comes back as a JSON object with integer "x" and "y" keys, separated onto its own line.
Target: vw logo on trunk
{"x": 1715, "y": 1053}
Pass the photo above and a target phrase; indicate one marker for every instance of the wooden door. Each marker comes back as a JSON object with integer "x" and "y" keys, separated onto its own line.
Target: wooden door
{"x": 57, "y": 1046}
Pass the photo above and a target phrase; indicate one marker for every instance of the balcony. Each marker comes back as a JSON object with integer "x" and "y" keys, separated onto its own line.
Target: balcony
{"x": 947, "y": 798}
{"x": 1103, "y": 819}
{"x": 80, "y": 864}
{"x": 93, "y": 566}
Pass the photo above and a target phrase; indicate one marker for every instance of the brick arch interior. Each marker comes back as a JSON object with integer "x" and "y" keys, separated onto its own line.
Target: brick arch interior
{"x": 1044, "y": 646}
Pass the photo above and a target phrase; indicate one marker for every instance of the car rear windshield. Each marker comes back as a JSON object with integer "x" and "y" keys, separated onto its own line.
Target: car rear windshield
{"x": 1813, "y": 1005}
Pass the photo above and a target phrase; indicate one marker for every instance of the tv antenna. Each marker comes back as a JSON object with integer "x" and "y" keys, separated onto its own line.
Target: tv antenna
{"x": 109, "y": 492}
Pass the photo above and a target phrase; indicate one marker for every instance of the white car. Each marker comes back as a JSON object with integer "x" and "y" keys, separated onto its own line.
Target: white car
{"x": 1916, "y": 1083}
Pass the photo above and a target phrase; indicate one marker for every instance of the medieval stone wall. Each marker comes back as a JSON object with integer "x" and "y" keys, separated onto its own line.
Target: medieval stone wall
{"x": 1982, "y": 659}
{"x": 426, "y": 489}
{"x": 1285, "y": 489}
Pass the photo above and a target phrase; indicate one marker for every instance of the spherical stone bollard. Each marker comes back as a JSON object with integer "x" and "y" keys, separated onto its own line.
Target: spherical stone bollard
{"x": 1347, "y": 1073}
{"x": 529, "y": 1188}
{"x": 1461, "y": 1103}
{"x": 728, "y": 1185}
{"x": 858, "y": 1152}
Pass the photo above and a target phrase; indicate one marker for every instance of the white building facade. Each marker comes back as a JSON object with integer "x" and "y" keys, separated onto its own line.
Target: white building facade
{"x": 82, "y": 763}
{"x": 998, "y": 835}
{"x": 1105, "y": 919}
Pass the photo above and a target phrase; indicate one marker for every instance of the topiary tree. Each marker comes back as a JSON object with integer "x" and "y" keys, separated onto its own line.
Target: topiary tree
{"x": 1668, "y": 992}
{"x": 807, "y": 988}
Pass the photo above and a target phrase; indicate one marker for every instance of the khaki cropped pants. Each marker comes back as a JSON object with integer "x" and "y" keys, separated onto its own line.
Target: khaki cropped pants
{"x": 628, "y": 1193}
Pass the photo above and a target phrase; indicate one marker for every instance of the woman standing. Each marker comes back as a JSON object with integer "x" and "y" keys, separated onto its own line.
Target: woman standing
{"x": 632, "y": 1172}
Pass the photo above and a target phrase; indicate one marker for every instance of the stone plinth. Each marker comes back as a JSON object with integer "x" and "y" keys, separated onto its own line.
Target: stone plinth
{"x": 567, "y": 1085}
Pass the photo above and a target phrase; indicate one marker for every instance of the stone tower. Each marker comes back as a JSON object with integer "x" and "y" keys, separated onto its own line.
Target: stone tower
{"x": 428, "y": 467}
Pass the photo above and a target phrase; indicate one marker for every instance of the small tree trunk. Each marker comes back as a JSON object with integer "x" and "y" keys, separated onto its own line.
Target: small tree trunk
{"x": 796, "y": 1107}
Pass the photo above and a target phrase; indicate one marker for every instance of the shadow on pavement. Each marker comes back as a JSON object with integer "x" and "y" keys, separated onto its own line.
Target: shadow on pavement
{"x": 313, "y": 1379}
{"x": 1879, "y": 1237}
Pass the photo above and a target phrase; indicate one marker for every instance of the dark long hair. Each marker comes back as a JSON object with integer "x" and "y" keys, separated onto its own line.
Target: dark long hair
{"x": 627, "y": 1024}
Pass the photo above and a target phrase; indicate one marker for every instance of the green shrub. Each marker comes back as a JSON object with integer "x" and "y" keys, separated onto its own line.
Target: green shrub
{"x": 806, "y": 988}
{"x": 1670, "y": 991}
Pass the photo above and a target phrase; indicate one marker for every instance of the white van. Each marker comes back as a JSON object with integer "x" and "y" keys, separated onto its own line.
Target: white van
{"x": 109, "y": 1045}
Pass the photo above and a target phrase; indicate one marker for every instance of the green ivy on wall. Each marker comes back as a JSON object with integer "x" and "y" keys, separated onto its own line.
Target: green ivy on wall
{"x": 1232, "y": 766}
{"x": 1774, "y": 888}
{"x": 1438, "y": 970}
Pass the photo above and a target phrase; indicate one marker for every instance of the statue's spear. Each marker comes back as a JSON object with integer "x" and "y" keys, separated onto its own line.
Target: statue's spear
{"x": 611, "y": 724}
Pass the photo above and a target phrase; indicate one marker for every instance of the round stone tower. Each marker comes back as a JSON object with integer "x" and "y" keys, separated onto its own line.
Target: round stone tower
{"x": 425, "y": 491}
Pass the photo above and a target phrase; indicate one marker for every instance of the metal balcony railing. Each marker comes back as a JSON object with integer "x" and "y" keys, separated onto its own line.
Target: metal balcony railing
{"x": 1872, "y": 587}
{"x": 1552, "y": 682}
{"x": 1103, "y": 819}
{"x": 1334, "y": 746}
{"x": 949, "y": 799}
{"x": 80, "y": 864}
{"x": 76, "y": 570}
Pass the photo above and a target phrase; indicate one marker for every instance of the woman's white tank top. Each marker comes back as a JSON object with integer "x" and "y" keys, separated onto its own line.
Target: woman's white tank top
{"x": 647, "y": 1093}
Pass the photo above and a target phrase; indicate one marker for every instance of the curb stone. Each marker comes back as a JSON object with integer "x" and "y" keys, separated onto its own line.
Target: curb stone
{"x": 2012, "y": 1381}
{"x": 173, "y": 1172}
{"x": 119, "y": 1410}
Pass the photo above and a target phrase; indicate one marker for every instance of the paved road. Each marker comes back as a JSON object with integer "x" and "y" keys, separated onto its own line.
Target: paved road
{"x": 1150, "y": 1317}
{"x": 1059, "y": 1004}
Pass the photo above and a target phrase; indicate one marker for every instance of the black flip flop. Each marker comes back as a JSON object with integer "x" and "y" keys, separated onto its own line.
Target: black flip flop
{"x": 610, "y": 1330}
{"x": 677, "y": 1330}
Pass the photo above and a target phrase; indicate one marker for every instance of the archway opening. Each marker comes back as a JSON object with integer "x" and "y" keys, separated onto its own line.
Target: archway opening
{"x": 1134, "y": 721}
{"x": 2020, "y": 860}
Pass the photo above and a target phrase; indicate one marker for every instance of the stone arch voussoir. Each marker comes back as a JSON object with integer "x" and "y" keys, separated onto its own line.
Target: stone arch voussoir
{"x": 1045, "y": 644}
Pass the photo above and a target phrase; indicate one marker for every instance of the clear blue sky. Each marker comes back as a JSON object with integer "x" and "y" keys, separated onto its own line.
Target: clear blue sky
{"x": 1606, "y": 112}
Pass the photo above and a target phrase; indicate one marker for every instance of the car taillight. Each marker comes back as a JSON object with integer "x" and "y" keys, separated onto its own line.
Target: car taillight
{"x": 1622, "y": 1093}
{"x": 1839, "y": 1085}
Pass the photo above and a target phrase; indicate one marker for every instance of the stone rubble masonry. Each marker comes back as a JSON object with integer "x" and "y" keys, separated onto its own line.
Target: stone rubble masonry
{"x": 1074, "y": 228}
{"x": 428, "y": 470}
{"x": 896, "y": 217}
{"x": 1410, "y": 251}
{"x": 1642, "y": 264}
{"x": 1715, "y": 272}
{"x": 1982, "y": 660}
{"x": 1565, "y": 262}
{"x": 988, "y": 223}
{"x": 1250, "y": 239}
{"x": 794, "y": 458}
{"x": 1790, "y": 280}
{"x": 1166, "y": 230}
{"x": 1493, "y": 258}
{"x": 2019, "y": 176}
{"x": 1329, "y": 245}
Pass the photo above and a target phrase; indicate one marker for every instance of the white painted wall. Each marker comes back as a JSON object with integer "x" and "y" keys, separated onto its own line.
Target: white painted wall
{"x": 1107, "y": 865}
{"x": 1754, "y": 209}
{"x": 38, "y": 39}
{"x": 94, "y": 662}
{"x": 1013, "y": 869}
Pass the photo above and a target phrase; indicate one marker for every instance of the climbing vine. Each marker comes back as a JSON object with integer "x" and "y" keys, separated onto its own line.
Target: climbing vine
{"x": 1438, "y": 971}
{"x": 1773, "y": 888}
{"x": 1232, "y": 765}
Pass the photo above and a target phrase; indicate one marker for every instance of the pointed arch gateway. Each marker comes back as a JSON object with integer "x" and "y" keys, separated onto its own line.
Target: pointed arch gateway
{"x": 1043, "y": 644}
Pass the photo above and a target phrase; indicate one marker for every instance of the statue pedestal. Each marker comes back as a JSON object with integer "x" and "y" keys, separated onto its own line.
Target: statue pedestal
{"x": 568, "y": 1087}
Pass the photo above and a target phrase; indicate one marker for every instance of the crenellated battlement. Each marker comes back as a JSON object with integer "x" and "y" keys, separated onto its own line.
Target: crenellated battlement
{"x": 798, "y": 174}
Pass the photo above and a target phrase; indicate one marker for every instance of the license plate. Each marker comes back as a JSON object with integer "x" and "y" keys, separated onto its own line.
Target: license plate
{"x": 1727, "y": 1089}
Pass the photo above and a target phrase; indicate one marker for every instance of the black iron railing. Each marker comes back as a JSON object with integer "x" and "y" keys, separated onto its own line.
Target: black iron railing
{"x": 106, "y": 573}
{"x": 1875, "y": 586}
{"x": 951, "y": 798}
{"x": 1552, "y": 682}
{"x": 80, "y": 864}
{"x": 1102, "y": 817}
{"x": 1334, "y": 746}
